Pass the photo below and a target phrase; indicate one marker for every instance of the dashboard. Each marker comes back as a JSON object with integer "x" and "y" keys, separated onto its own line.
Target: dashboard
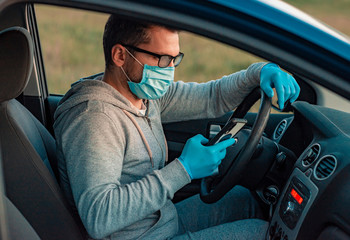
{"x": 314, "y": 203}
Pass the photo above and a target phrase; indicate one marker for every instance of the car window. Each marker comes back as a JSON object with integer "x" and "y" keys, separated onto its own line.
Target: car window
{"x": 207, "y": 59}
{"x": 71, "y": 42}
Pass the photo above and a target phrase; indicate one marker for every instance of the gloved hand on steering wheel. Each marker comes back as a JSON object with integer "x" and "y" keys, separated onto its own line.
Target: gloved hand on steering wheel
{"x": 202, "y": 161}
{"x": 271, "y": 76}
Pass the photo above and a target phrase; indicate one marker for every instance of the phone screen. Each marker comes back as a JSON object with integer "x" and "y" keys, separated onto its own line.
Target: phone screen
{"x": 228, "y": 131}
{"x": 232, "y": 132}
{"x": 236, "y": 128}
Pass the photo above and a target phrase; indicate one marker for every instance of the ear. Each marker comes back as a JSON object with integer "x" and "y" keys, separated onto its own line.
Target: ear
{"x": 118, "y": 55}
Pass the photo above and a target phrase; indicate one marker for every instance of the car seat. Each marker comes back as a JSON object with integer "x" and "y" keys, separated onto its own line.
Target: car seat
{"x": 28, "y": 149}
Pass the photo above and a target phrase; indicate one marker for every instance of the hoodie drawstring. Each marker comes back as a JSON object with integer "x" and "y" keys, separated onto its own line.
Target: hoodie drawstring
{"x": 141, "y": 134}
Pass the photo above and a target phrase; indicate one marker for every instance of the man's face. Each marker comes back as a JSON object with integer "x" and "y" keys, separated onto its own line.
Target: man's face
{"x": 162, "y": 42}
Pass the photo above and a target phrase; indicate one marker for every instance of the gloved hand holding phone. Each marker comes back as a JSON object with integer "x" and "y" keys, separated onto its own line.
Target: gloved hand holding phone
{"x": 202, "y": 161}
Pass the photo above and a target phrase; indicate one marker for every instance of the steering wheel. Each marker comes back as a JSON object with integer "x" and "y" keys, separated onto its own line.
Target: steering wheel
{"x": 210, "y": 193}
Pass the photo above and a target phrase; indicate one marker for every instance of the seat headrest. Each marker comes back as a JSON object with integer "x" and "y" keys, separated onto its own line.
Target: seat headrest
{"x": 16, "y": 62}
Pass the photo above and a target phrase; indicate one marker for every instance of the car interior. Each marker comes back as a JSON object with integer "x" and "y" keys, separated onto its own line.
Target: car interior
{"x": 299, "y": 170}
{"x": 30, "y": 149}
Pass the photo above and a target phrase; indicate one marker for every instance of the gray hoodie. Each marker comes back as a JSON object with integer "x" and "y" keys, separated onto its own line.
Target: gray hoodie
{"x": 113, "y": 160}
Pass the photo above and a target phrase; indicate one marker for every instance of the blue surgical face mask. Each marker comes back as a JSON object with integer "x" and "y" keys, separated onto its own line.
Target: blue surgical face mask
{"x": 154, "y": 83}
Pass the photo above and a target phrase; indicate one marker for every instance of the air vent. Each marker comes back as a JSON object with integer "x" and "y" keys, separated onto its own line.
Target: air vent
{"x": 325, "y": 167}
{"x": 280, "y": 129}
{"x": 311, "y": 154}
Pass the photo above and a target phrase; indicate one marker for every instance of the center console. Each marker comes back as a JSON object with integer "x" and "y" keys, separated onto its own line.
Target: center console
{"x": 293, "y": 205}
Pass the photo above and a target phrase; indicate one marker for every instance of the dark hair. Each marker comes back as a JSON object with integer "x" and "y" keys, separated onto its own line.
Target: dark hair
{"x": 123, "y": 31}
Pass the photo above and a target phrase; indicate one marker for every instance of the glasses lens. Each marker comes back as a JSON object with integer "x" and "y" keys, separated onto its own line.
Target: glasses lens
{"x": 164, "y": 61}
{"x": 178, "y": 59}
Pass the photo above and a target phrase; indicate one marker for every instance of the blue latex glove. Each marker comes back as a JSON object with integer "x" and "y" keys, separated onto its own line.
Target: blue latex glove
{"x": 202, "y": 161}
{"x": 271, "y": 76}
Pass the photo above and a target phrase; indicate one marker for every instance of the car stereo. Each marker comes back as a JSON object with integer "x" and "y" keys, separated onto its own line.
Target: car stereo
{"x": 291, "y": 209}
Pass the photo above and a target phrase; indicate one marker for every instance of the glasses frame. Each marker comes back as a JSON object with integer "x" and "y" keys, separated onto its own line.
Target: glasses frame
{"x": 171, "y": 58}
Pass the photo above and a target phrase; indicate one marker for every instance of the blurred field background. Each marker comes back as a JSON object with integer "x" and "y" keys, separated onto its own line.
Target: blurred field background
{"x": 72, "y": 44}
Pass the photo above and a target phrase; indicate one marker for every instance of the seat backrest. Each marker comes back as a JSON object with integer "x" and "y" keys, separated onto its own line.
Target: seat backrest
{"x": 27, "y": 147}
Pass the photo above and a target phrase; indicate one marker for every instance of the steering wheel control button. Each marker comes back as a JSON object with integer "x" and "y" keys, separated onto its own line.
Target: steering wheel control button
{"x": 294, "y": 202}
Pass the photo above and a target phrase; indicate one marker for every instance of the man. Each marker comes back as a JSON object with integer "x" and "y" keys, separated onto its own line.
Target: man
{"x": 112, "y": 150}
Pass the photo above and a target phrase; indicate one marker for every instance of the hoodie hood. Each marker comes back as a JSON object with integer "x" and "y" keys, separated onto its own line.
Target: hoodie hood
{"x": 93, "y": 88}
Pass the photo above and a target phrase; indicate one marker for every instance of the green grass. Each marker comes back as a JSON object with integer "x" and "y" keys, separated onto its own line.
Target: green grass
{"x": 72, "y": 44}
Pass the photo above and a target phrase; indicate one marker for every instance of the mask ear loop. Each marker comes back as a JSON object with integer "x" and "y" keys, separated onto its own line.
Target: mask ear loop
{"x": 135, "y": 60}
{"x": 133, "y": 57}
{"x": 126, "y": 74}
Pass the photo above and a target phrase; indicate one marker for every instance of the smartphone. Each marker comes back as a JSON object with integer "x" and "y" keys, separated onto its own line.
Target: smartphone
{"x": 228, "y": 131}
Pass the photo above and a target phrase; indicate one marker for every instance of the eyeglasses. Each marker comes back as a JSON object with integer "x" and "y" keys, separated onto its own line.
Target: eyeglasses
{"x": 164, "y": 60}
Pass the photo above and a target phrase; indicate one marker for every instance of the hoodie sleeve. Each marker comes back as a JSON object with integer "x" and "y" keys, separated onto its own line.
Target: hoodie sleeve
{"x": 93, "y": 146}
{"x": 187, "y": 101}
